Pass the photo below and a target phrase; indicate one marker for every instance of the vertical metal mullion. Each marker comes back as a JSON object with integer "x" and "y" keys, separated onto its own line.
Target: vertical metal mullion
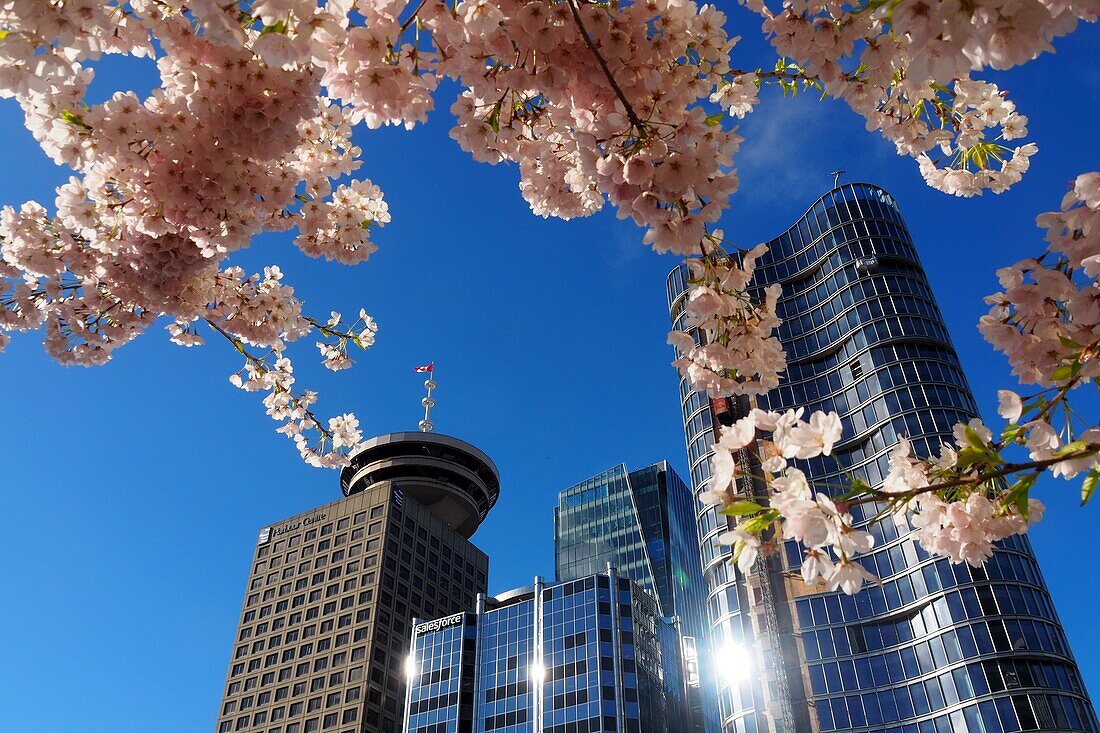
{"x": 536, "y": 699}
{"x": 616, "y": 650}
{"x": 409, "y": 682}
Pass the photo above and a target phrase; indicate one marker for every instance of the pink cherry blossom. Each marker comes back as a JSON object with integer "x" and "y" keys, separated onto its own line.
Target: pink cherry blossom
{"x": 249, "y": 130}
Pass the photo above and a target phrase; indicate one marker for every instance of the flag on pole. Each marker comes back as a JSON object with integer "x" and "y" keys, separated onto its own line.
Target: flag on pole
{"x": 428, "y": 368}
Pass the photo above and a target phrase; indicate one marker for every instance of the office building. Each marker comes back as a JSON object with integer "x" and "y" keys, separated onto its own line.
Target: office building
{"x": 326, "y": 619}
{"x": 592, "y": 655}
{"x": 643, "y": 523}
{"x": 937, "y": 648}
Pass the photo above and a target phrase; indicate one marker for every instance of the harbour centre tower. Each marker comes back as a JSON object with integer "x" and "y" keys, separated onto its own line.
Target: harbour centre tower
{"x": 327, "y": 616}
{"x": 936, "y": 648}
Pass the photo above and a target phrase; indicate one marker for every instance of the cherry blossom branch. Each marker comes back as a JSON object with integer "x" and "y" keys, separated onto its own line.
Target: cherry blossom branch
{"x": 1009, "y": 469}
{"x": 245, "y": 80}
{"x": 259, "y": 364}
{"x": 635, "y": 121}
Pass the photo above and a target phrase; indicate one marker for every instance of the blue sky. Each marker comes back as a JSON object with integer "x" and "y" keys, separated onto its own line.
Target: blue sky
{"x": 133, "y": 492}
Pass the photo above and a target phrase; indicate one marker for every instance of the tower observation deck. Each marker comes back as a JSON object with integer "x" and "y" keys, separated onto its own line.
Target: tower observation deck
{"x": 449, "y": 477}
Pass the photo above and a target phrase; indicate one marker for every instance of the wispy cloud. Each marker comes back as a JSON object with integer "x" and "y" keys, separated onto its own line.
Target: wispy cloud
{"x": 792, "y": 145}
{"x": 789, "y": 145}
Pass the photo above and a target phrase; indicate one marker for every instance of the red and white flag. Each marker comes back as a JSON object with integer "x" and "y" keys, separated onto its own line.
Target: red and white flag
{"x": 428, "y": 368}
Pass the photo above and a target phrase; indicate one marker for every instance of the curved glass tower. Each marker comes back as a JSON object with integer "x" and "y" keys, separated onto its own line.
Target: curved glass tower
{"x": 937, "y": 648}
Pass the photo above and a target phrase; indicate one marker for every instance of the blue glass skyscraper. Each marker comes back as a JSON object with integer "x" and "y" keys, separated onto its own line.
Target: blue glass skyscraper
{"x": 592, "y": 655}
{"x": 937, "y": 648}
{"x": 643, "y": 523}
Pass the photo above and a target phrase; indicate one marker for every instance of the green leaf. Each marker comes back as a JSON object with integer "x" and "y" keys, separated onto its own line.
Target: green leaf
{"x": 1011, "y": 433}
{"x": 970, "y": 455}
{"x": 1017, "y": 494}
{"x": 1064, "y": 372}
{"x": 741, "y": 508}
{"x": 1089, "y": 486}
{"x": 1070, "y": 343}
{"x": 857, "y": 487}
{"x": 1072, "y": 447}
{"x": 759, "y": 523}
{"x": 1021, "y": 504}
{"x": 494, "y": 118}
{"x": 873, "y": 5}
{"x": 1037, "y": 402}
{"x": 72, "y": 118}
{"x": 715, "y": 119}
{"x": 279, "y": 27}
{"x": 1026, "y": 482}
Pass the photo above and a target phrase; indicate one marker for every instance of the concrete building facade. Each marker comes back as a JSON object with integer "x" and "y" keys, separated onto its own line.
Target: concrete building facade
{"x": 327, "y": 615}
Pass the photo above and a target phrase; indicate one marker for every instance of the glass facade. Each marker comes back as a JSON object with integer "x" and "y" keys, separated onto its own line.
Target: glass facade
{"x": 643, "y": 523}
{"x": 441, "y": 690}
{"x": 592, "y": 655}
{"x": 935, "y": 648}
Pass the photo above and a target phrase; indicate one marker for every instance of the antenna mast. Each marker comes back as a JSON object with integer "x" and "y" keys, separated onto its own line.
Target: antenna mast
{"x": 426, "y": 425}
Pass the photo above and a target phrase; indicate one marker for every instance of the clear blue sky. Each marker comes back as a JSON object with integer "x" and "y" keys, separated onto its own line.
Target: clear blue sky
{"x": 133, "y": 492}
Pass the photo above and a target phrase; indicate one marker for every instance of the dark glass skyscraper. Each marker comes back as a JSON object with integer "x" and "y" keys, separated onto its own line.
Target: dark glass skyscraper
{"x": 937, "y": 648}
{"x": 643, "y": 523}
{"x": 592, "y": 655}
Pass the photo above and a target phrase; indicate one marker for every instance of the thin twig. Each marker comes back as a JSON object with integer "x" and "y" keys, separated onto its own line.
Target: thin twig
{"x": 412, "y": 17}
{"x": 260, "y": 364}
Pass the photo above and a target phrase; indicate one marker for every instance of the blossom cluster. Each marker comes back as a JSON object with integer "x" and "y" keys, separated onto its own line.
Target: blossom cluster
{"x": 906, "y": 66}
{"x": 954, "y": 502}
{"x": 237, "y": 140}
{"x": 739, "y": 353}
{"x": 250, "y": 131}
{"x": 824, "y": 527}
{"x": 597, "y": 102}
{"x": 1047, "y": 318}
{"x": 961, "y": 524}
{"x": 272, "y": 372}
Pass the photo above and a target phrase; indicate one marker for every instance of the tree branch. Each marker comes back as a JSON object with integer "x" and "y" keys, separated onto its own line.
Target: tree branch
{"x": 1008, "y": 470}
{"x": 635, "y": 121}
{"x": 261, "y": 364}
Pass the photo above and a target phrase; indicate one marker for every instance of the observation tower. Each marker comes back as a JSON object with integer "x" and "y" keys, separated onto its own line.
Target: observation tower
{"x": 449, "y": 477}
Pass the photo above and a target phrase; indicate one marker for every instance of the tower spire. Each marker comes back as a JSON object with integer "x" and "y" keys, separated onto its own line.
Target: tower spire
{"x": 426, "y": 425}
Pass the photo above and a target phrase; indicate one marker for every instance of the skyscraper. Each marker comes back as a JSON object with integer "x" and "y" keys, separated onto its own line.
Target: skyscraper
{"x": 937, "y": 647}
{"x": 591, "y": 655}
{"x": 642, "y": 522}
{"x": 325, "y": 624}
